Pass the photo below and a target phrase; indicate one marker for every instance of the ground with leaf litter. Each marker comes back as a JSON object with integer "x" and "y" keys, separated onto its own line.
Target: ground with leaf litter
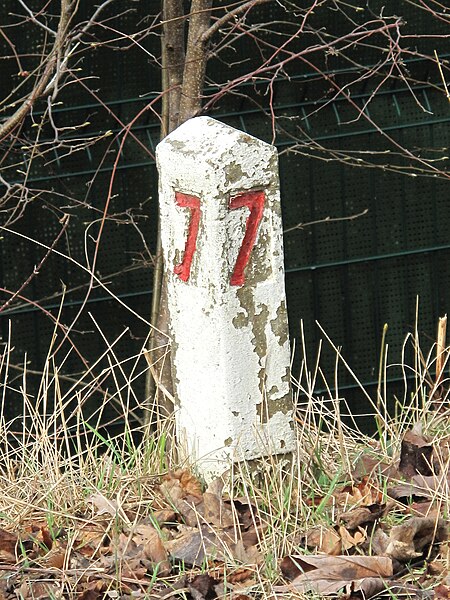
{"x": 381, "y": 532}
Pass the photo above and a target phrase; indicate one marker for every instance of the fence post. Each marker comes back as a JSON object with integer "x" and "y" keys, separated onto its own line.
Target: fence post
{"x": 223, "y": 252}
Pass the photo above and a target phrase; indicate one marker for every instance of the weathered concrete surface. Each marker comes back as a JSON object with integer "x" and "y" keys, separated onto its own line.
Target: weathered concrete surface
{"x": 222, "y": 241}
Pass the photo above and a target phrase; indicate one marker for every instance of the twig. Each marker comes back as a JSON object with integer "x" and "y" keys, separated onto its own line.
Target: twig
{"x": 231, "y": 15}
{"x": 52, "y": 61}
{"x": 38, "y": 267}
{"x": 442, "y": 75}
{"x": 327, "y": 220}
{"x": 32, "y": 18}
{"x": 56, "y": 61}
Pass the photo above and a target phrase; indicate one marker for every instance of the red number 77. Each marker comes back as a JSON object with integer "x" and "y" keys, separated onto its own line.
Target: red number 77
{"x": 252, "y": 200}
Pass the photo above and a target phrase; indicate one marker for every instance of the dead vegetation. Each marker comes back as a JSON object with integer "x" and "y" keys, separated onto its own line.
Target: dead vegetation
{"x": 88, "y": 516}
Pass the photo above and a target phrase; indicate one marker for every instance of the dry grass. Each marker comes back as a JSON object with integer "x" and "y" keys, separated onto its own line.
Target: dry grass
{"x": 54, "y": 459}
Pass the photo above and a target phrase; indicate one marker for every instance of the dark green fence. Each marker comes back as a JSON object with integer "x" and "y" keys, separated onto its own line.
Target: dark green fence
{"x": 350, "y": 273}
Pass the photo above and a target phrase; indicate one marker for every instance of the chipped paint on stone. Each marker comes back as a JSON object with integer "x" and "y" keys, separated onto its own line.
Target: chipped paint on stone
{"x": 231, "y": 350}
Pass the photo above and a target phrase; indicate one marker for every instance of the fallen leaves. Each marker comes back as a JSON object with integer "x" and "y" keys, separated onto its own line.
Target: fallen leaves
{"x": 118, "y": 552}
{"x": 328, "y": 575}
{"x": 140, "y": 551}
{"x": 416, "y": 455}
{"x": 408, "y": 540}
{"x": 201, "y": 545}
{"x": 212, "y": 528}
{"x": 362, "y": 515}
{"x": 8, "y": 546}
{"x": 365, "y": 551}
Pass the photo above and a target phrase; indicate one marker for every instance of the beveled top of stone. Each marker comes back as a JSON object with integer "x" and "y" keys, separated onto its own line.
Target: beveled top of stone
{"x": 205, "y": 132}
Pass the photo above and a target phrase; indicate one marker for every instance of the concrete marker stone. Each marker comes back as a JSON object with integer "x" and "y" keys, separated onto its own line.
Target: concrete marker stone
{"x": 223, "y": 252}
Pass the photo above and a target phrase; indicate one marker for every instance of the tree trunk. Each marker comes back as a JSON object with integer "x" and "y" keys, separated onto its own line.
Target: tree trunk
{"x": 183, "y": 82}
{"x": 172, "y": 58}
{"x": 196, "y": 58}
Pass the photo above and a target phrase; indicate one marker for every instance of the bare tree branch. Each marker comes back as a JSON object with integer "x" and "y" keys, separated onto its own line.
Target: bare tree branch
{"x": 36, "y": 21}
{"x": 38, "y": 267}
{"x": 231, "y": 15}
{"x": 327, "y": 220}
{"x": 52, "y": 61}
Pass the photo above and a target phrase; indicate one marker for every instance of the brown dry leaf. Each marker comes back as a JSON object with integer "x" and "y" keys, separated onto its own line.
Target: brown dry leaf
{"x": 148, "y": 537}
{"x": 215, "y": 511}
{"x": 247, "y": 513}
{"x": 289, "y": 567}
{"x": 91, "y": 594}
{"x": 361, "y": 515}
{"x": 335, "y": 566}
{"x": 367, "y": 587}
{"x": 189, "y": 511}
{"x": 330, "y": 574}
{"x": 54, "y": 558}
{"x": 250, "y": 526}
{"x": 369, "y": 465}
{"x": 177, "y": 589}
{"x": 441, "y": 592}
{"x": 408, "y": 541}
{"x": 185, "y": 481}
{"x": 39, "y": 534}
{"x": 364, "y": 493}
{"x": 420, "y": 486}
{"x": 416, "y": 455}
{"x": 431, "y": 483}
{"x": 164, "y": 516}
{"x": 203, "y": 586}
{"x": 6, "y": 584}
{"x": 240, "y": 576}
{"x": 190, "y": 484}
{"x": 103, "y": 505}
{"x": 198, "y": 587}
{"x": 8, "y": 545}
{"x": 247, "y": 555}
{"x": 438, "y": 568}
{"x": 194, "y": 546}
{"x": 323, "y": 539}
{"x": 379, "y": 541}
{"x": 251, "y": 537}
{"x": 92, "y": 539}
{"x": 92, "y": 590}
{"x": 40, "y": 590}
{"x": 184, "y": 492}
{"x": 141, "y": 550}
{"x": 351, "y": 540}
{"x": 404, "y": 491}
{"x": 423, "y": 509}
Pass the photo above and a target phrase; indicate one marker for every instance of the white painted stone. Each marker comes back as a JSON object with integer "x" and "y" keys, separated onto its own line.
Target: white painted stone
{"x": 230, "y": 343}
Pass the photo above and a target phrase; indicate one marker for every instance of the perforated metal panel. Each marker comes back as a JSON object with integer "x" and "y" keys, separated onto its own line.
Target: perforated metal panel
{"x": 350, "y": 275}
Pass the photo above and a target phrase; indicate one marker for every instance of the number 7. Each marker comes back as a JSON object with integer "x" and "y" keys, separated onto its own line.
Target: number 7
{"x": 183, "y": 269}
{"x": 255, "y": 202}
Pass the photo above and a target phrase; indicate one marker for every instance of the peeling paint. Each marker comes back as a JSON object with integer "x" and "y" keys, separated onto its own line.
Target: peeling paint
{"x": 235, "y": 172}
{"x": 259, "y": 321}
{"x": 278, "y": 324}
{"x": 241, "y": 320}
{"x": 274, "y": 390}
